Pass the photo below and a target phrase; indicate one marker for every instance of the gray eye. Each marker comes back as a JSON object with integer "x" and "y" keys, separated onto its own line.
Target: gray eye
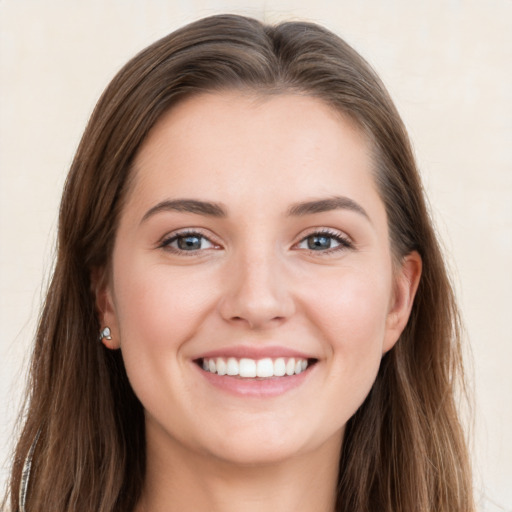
{"x": 189, "y": 242}
{"x": 319, "y": 242}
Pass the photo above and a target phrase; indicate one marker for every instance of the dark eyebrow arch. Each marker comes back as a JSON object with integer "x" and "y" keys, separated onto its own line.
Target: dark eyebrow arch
{"x": 187, "y": 206}
{"x": 325, "y": 205}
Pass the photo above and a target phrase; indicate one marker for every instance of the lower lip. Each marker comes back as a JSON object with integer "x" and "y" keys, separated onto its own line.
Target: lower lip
{"x": 257, "y": 387}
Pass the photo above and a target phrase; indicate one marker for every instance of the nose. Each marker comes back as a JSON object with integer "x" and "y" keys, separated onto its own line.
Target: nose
{"x": 257, "y": 293}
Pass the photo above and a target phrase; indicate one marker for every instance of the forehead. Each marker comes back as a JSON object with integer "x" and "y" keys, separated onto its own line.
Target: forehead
{"x": 233, "y": 146}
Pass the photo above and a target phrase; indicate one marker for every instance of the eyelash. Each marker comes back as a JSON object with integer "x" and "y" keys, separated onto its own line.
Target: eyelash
{"x": 166, "y": 242}
{"x": 343, "y": 241}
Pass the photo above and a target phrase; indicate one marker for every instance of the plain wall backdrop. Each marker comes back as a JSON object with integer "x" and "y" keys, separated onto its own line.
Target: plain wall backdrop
{"x": 446, "y": 63}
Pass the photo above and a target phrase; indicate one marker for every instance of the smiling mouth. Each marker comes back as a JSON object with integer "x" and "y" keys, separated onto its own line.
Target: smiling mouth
{"x": 246, "y": 368}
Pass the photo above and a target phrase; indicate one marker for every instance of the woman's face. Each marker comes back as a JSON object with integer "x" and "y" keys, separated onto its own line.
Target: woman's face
{"x": 253, "y": 241}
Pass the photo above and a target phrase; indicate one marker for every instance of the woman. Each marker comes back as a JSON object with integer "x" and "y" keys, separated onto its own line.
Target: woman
{"x": 245, "y": 228}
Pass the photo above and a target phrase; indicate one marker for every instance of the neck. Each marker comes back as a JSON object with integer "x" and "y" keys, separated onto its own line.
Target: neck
{"x": 180, "y": 480}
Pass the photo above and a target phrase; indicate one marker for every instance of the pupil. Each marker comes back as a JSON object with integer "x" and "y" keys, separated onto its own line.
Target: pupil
{"x": 319, "y": 242}
{"x": 187, "y": 243}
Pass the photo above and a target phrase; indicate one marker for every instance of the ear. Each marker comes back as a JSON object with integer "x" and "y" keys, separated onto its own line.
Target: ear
{"x": 105, "y": 306}
{"x": 406, "y": 281}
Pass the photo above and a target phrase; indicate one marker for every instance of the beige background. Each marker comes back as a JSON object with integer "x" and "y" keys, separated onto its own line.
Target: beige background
{"x": 448, "y": 65}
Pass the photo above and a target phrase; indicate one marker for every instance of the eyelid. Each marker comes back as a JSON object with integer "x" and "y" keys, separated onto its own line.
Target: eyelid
{"x": 164, "y": 242}
{"x": 345, "y": 241}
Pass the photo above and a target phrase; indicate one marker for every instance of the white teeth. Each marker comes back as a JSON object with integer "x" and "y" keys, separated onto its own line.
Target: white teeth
{"x": 251, "y": 368}
{"x": 265, "y": 368}
{"x": 232, "y": 368}
{"x": 279, "y": 367}
{"x": 247, "y": 367}
{"x": 222, "y": 367}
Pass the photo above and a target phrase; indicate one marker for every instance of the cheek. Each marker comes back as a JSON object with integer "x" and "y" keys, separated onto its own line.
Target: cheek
{"x": 351, "y": 306}
{"x": 158, "y": 310}
{"x": 350, "y": 315}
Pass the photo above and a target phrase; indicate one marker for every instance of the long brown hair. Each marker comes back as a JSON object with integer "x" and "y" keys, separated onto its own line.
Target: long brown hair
{"x": 404, "y": 448}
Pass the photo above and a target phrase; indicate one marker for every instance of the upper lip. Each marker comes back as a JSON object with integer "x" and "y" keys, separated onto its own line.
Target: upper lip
{"x": 254, "y": 352}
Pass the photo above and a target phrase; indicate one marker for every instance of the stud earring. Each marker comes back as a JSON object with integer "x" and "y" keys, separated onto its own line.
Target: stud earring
{"x": 105, "y": 334}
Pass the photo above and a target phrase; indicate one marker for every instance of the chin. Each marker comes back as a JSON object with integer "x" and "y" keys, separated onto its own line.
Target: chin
{"x": 269, "y": 444}
{"x": 251, "y": 454}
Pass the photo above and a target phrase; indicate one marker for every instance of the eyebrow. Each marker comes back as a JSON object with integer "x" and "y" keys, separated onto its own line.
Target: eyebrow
{"x": 211, "y": 209}
{"x": 188, "y": 206}
{"x": 326, "y": 205}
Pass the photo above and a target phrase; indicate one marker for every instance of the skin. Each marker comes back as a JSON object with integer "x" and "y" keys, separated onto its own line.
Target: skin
{"x": 253, "y": 282}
